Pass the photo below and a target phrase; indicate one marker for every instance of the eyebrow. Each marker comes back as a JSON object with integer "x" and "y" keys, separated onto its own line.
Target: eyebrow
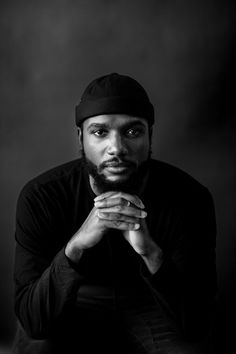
{"x": 107, "y": 125}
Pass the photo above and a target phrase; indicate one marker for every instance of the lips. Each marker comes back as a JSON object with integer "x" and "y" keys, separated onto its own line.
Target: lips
{"x": 116, "y": 164}
{"x": 117, "y": 167}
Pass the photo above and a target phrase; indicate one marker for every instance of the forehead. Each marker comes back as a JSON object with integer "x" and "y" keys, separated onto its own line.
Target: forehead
{"x": 114, "y": 121}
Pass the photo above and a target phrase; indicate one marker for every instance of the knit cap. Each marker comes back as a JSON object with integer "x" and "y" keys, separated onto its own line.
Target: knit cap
{"x": 114, "y": 94}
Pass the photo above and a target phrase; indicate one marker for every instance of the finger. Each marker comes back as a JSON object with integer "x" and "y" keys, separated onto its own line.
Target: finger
{"x": 119, "y": 198}
{"x": 131, "y": 198}
{"x": 112, "y": 194}
{"x": 105, "y": 195}
{"x": 115, "y": 217}
{"x": 128, "y": 211}
{"x": 121, "y": 225}
{"x": 110, "y": 202}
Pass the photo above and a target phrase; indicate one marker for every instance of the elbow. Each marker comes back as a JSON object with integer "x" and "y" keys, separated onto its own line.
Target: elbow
{"x": 33, "y": 332}
{"x": 32, "y": 326}
{"x": 36, "y": 333}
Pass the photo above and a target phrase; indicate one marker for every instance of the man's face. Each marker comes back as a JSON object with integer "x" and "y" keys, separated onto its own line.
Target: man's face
{"x": 115, "y": 145}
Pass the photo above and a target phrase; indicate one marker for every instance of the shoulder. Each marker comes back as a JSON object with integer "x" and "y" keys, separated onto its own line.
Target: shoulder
{"x": 59, "y": 177}
{"x": 172, "y": 181}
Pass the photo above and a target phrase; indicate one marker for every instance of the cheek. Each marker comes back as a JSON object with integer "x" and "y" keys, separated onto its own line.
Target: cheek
{"x": 141, "y": 150}
{"x": 92, "y": 151}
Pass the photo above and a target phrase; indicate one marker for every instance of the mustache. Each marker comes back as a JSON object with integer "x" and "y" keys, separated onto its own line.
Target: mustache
{"x": 116, "y": 162}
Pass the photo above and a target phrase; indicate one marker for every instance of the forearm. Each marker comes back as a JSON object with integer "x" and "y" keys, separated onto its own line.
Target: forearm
{"x": 153, "y": 259}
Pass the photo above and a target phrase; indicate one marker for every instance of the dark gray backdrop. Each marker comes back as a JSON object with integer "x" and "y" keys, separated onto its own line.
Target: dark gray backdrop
{"x": 183, "y": 52}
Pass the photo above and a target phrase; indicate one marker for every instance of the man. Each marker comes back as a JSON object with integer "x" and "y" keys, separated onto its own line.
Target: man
{"x": 114, "y": 251}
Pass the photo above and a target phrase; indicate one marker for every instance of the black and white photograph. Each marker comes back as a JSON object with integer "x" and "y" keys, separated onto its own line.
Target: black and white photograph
{"x": 118, "y": 176}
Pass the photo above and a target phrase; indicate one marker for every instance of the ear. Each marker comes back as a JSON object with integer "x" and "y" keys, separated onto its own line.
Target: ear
{"x": 80, "y": 135}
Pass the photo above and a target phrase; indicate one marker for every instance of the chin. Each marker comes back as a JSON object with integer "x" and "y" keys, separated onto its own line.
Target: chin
{"x": 115, "y": 183}
{"x": 117, "y": 179}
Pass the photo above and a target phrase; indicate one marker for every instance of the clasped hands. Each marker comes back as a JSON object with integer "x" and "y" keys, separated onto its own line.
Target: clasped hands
{"x": 121, "y": 211}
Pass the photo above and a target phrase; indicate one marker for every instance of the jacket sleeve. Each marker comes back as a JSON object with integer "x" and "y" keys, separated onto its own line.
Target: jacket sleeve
{"x": 46, "y": 283}
{"x": 186, "y": 282}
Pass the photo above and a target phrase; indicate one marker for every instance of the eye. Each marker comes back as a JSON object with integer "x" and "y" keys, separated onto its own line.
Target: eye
{"x": 133, "y": 132}
{"x": 99, "y": 132}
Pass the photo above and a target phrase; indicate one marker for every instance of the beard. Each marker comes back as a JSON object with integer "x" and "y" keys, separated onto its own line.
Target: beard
{"x": 133, "y": 184}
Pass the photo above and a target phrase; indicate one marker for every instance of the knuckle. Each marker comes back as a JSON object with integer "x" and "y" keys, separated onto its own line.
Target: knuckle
{"x": 100, "y": 214}
{"x": 117, "y": 223}
{"x": 123, "y": 201}
{"x": 116, "y": 216}
{"x": 119, "y": 207}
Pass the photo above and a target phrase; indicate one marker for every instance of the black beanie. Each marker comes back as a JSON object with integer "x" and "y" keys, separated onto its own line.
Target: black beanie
{"x": 117, "y": 94}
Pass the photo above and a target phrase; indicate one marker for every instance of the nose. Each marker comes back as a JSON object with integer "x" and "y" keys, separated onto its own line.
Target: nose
{"x": 116, "y": 145}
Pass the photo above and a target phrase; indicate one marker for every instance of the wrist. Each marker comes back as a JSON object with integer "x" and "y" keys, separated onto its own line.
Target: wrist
{"x": 73, "y": 253}
{"x": 153, "y": 259}
{"x": 151, "y": 249}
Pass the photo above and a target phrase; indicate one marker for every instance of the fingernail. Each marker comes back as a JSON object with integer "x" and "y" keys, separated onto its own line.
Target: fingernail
{"x": 98, "y": 198}
{"x": 136, "y": 226}
{"x": 142, "y": 205}
{"x": 143, "y": 214}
